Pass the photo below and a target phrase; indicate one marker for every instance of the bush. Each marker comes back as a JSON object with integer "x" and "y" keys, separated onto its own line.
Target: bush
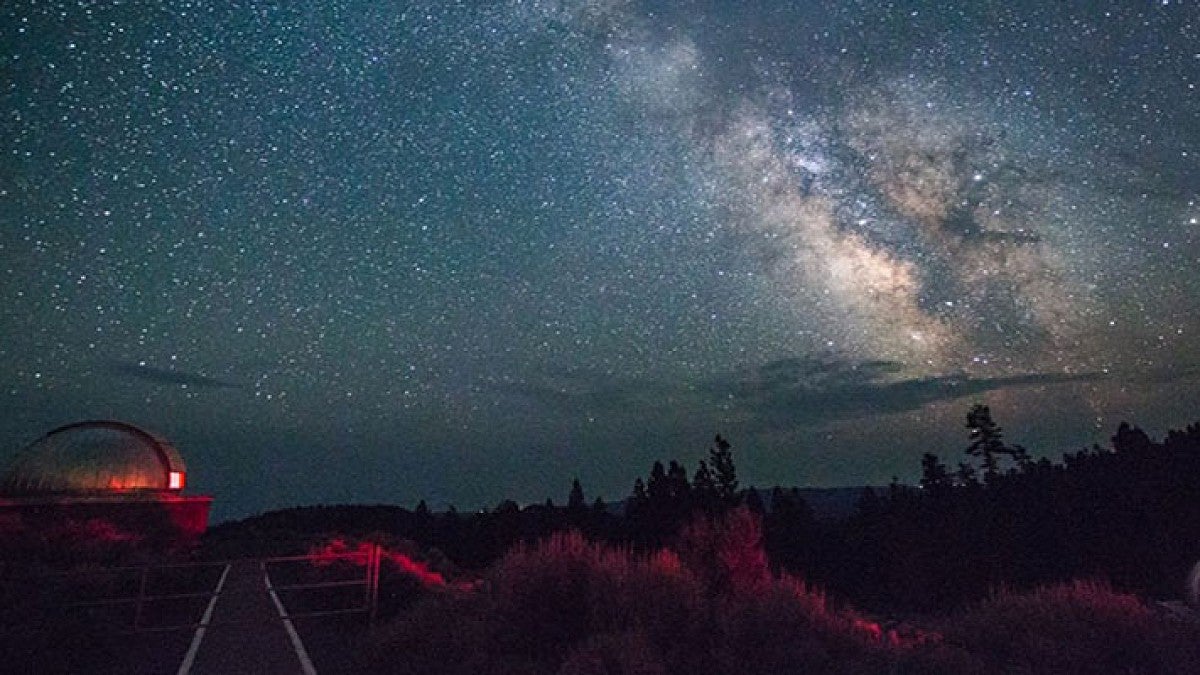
{"x": 627, "y": 653}
{"x": 555, "y": 594}
{"x": 1081, "y": 627}
{"x": 572, "y": 606}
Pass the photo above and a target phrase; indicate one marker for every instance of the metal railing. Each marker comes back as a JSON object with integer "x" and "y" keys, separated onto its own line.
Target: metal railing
{"x": 143, "y": 598}
{"x": 369, "y": 580}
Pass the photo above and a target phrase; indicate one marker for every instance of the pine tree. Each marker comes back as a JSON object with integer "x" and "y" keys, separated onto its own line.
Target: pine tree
{"x": 1021, "y": 456}
{"x": 639, "y": 500}
{"x": 1131, "y": 440}
{"x": 704, "y": 489}
{"x": 987, "y": 439}
{"x": 575, "y": 501}
{"x": 934, "y": 476}
{"x": 677, "y": 482}
{"x": 720, "y": 456}
{"x": 639, "y": 491}
{"x": 966, "y": 474}
{"x": 656, "y": 486}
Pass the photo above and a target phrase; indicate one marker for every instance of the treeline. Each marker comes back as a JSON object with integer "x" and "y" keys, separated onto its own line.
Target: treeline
{"x": 1129, "y": 515}
{"x": 652, "y": 516}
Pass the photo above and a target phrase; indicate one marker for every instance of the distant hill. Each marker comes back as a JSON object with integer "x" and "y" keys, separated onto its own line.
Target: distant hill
{"x": 826, "y": 503}
{"x": 832, "y": 503}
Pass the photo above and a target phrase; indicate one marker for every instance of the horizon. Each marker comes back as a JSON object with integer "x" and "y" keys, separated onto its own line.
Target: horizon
{"x": 465, "y": 254}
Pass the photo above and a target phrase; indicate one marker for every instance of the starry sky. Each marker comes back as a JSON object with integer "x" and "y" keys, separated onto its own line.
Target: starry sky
{"x": 464, "y": 251}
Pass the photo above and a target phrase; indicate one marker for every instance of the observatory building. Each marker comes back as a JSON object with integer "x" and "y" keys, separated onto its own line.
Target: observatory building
{"x": 101, "y": 478}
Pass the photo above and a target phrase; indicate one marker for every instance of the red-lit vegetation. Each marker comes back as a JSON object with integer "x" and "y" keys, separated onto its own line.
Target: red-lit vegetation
{"x": 71, "y": 541}
{"x": 570, "y": 605}
{"x": 697, "y": 577}
{"x": 407, "y": 573}
{"x": 1074, "y": 628}
{"x": 338, "y": 550}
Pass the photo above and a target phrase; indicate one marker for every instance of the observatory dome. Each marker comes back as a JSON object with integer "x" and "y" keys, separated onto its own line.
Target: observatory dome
{"x": 95, "y": 456}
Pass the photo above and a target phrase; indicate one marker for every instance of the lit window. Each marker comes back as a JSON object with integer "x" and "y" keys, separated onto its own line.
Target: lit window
{"x": 175, "y": 481}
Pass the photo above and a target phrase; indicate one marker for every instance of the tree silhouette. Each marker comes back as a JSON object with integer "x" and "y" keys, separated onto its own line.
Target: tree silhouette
{"x": 575, "y": 501}
{"x": 1131, "y": 440}
{"x": 966, "y": 474}
{"x": 704, "y": 489}
{"x": 720, "y": 456}
{"x": 639, "y": 500}
{"x": 934, "y": 476}
{"x": 678, "y": 487}
{"x": 657, "y": 488}
{"x": 987, "y": 439}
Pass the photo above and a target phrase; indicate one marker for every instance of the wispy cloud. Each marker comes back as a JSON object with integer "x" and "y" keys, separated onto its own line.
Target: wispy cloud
{"x": 781, "y": 394}
{"x": 138, "y": 371}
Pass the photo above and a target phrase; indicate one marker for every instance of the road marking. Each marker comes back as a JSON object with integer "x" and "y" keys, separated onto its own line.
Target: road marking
{"x": 305, "y": 663}
{"x": 190, "y": 657}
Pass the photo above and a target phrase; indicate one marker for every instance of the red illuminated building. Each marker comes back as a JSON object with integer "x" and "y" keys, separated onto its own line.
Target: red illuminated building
{"x": 101, "y": 479}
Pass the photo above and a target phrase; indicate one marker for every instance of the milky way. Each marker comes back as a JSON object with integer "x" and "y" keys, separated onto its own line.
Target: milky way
{"x": 466, "y": 252}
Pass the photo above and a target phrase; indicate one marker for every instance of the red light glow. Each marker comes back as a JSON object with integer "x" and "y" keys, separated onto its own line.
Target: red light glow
{"x": 175, "y": 480}
{"x": 336, "y": 550}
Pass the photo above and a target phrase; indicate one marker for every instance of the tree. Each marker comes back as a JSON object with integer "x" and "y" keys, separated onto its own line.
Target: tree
{"x": 1131, "y": 440}
{"x": 656, "y": 485}
{"x": 640, "y": 499}
{"x": 934, "y": 476}
{"x": 966, "y": 474}
{"x": 987, "y": 439}
{"x": 720, "y": 456}
{"x": 704, "y": 488}
{"x": 507, "y": 508}
{"x": 987, "y": 442}
{"x": 575, "y": 501}
{"x": 677, "y": 483}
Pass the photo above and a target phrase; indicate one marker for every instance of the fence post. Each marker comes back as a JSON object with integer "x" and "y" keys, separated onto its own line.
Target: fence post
{"x": 377, "y": 552}
{"x": 367, "y": 579}
{"x": 137, "y": 610}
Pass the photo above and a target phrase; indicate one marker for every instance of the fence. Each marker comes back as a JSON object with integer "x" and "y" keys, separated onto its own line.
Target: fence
{"x": 370, "y": 581}
{"x": 146, "y": 598}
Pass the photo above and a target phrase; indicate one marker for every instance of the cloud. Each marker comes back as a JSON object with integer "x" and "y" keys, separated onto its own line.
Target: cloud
{"x": 788, "y": 393}
{"x": 138, "y": 371}
{"x": 792, "y": 404}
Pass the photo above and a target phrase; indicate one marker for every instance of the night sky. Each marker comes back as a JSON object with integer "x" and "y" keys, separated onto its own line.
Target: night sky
{"x": 371, "y": 251}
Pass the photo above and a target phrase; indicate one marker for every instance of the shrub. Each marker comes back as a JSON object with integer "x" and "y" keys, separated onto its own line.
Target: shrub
{"x": 627, "y": 653}
{"x": 572, "y": 606}
{"x": 564, "y": 589}
{"x": 726, "y": 552}
{"x": 1081, "y": 627}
